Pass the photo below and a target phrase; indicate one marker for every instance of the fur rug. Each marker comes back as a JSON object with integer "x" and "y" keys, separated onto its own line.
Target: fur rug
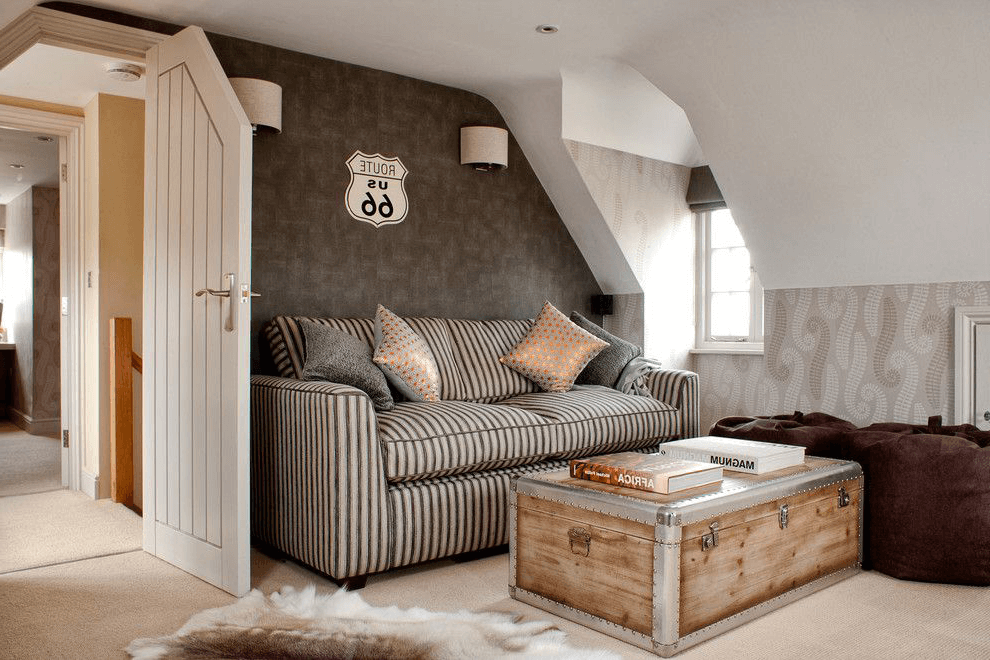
{"x": 295, "y": 624}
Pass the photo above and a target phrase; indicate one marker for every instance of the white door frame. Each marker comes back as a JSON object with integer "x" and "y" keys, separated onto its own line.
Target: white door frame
{"x": 69, "y": 129}
{"x": 39, "y": 25}
{"x": 967, "y": 318}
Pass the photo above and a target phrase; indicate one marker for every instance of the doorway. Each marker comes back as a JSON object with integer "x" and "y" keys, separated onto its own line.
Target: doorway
{"x": 30, "y": 381}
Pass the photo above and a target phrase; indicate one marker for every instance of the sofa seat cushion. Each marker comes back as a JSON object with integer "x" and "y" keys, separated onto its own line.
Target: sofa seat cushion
{"x": 592, "y": 419}
{"x": 429, "y": 439}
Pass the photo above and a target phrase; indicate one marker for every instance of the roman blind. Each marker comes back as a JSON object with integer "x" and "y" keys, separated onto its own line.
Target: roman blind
{"x": 703, "y": 193}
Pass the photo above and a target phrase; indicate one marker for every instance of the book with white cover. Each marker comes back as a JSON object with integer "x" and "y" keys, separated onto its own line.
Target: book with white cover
{"x": 734, "y": 453}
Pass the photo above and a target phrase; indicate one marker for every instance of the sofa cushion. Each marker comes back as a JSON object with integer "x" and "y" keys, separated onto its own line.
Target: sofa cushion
{"x": 606, "y": 367}
{"x": 477, "y": 346}
{"x": 405, "y": 358}
{"x": 340, "y": 357}
{"x": 554, "y": 351}
{"x": 288, "y": 345}
{"x": 421, "y": 439}
{"x": 600, "y": 420}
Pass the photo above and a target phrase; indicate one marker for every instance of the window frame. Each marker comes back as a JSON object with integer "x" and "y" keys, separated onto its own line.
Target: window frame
{"x": 753, "y": 343}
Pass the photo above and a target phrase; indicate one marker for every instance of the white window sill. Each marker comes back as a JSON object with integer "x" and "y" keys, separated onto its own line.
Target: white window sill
{"x": 730, "y": 349}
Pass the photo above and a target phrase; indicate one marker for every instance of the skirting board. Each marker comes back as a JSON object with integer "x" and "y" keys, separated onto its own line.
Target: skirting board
{"x": 90, "y": 484}
{"x": 47, "y": 427}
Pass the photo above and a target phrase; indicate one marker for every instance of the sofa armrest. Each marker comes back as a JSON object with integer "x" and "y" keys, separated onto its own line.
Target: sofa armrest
{"x": 678, "y": 388}
{"x": 318, "y": 487}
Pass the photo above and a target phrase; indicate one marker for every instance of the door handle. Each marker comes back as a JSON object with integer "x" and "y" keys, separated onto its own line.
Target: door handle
{"x": 213, "y": 292}
{"x": 230, "y": 293}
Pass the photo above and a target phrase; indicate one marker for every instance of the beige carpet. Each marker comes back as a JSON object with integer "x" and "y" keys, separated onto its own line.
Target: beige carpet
{"x": 60, "y": 526}
{"x": 93, "y": 608}
{"x": 28, "y": 463}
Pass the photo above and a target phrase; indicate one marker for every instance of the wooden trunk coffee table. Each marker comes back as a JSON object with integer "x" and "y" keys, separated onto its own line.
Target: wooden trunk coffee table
{"x": 665, "y": 572}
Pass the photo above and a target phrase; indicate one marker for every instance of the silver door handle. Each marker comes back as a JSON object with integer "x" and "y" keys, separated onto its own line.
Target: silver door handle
{"x": 213, "y": 292}
{"x": 229, "y": 293}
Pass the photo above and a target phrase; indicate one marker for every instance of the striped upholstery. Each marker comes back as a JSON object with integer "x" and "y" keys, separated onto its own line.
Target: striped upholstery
{"x": 350, "y": 493}
{"x": 592, "y": 419}
{"x": 450, "y": 515}
{"x": 317, "y": 488}
{"x": 434, "y": 332}
{"x": 421, "y": 439}
{"x": 477, "y": 347}
{"x": 288, "y": 343}
{"x": 679, "y": 389}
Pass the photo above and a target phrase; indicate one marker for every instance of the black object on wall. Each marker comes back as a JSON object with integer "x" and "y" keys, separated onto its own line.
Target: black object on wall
{"x": 473, "y": 245}
{"x": 602, "y": 305}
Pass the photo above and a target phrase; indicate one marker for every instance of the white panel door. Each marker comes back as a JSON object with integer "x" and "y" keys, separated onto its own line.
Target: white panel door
{"x": 197, "y": 239}
{"x": 981, "y": 376}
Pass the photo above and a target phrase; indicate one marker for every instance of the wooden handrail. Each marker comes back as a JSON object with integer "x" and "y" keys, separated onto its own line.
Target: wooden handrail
{"x": 122, "y": 360}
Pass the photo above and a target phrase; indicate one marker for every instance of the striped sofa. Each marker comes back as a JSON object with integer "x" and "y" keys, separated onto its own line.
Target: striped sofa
{"x": 350, "y": 492}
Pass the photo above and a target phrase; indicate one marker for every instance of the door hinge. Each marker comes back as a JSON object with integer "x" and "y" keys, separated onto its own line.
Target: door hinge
{"x": 65, "y": 172}
{"x": 65, "y": 437}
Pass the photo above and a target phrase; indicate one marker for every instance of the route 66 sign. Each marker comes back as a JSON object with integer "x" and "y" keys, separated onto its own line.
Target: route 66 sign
{"x": 377, "y": 192}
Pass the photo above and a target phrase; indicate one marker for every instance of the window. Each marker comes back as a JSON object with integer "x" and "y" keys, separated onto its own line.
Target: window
{"x": 730, "y": 298}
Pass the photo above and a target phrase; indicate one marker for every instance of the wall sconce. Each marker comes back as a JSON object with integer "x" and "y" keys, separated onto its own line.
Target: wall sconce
{"x": 485, "y": 148}
{"x": 262, "y": 102}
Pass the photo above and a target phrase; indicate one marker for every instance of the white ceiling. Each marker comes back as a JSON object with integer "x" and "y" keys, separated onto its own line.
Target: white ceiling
{"x": 58, "y": 75}
{"x": 40, "y": 161}
{"x": 849, "y": 136}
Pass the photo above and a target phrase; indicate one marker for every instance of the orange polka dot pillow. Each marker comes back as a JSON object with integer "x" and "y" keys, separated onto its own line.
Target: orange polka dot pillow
{"x": 405, "y": 358}
{"x": 554, "y": 351}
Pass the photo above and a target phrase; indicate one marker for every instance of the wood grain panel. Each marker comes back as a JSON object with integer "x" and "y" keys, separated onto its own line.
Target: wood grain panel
{"x": 568, "y": 512}
{"x": 614, "y": 582}
{"x": 695, "y": 530}
{"x": 756, "y": 560}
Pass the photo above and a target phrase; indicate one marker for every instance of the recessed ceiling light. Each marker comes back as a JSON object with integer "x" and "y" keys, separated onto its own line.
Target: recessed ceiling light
{"x": 16, "y": 166}
{"x": 546, "y": 28}
{"x": 125, "y": 71}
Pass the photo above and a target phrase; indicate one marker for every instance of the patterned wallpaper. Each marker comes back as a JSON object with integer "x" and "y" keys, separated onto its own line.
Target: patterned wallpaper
{"x": 47, "y": 377}
{"x": 643, "y": 202}
{"x": 867, "y": 354}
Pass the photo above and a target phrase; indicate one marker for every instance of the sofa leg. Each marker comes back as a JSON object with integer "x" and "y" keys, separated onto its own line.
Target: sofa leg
{"x": 352, "y": 583}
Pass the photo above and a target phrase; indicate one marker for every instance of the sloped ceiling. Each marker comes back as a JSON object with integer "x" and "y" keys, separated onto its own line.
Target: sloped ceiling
{"x": 850, "y": 137}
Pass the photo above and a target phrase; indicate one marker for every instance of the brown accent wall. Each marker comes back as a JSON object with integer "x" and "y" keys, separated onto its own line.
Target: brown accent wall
{"x": 474, "y": 245}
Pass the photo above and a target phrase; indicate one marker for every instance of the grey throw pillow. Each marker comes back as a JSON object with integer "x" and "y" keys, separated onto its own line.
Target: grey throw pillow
{"x": 339, "y": 357}
{"x": 606, "y": 367}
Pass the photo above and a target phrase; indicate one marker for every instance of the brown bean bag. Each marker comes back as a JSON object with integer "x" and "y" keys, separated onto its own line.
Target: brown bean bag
{"x": 926, "y": 513}
{"x": 927, "y": 505}
{"x": 817, "y": 432}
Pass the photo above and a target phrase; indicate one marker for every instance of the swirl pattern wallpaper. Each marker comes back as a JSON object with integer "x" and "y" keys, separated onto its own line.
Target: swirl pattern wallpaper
{"x": 866, "y": 354}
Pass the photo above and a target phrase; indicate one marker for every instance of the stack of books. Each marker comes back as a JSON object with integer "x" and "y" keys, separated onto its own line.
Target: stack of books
{"x": 735, "y": 454}
{"x": 648, "y": 472}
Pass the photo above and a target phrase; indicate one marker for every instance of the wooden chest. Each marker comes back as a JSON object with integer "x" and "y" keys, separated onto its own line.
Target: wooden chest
{"x": 665, "y": 572}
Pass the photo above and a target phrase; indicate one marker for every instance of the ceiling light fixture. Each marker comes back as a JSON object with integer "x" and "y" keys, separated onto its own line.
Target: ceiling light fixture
{"x": 124, "y": 71}
{"x": 16, "y": 166}
{"x": 546, "y": 28}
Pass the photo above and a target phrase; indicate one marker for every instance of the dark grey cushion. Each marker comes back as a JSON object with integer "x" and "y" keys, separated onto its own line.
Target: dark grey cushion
{"x": 606, "y": 367}
{"x": 339, "y": 357}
